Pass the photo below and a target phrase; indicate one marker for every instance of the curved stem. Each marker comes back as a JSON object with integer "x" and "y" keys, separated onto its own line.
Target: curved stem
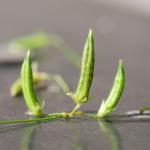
{"x": 61, "y": 82}
{"x": 75, "y": 109}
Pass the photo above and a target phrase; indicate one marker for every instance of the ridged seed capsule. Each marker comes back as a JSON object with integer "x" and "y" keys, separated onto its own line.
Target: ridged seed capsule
{"x": 87, "y": 71}
{"x": 30, "y": 97}
{"x": 109, "y": 105}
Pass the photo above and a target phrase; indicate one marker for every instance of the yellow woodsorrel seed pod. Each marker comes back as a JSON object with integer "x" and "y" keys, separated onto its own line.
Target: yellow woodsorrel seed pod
{"x": 109, "y": 105}
{"x": 16, "y": 88}
{"x": 30, "y": 97}
{"x": 38, "y": 77}
{"x": 87, "y": 71}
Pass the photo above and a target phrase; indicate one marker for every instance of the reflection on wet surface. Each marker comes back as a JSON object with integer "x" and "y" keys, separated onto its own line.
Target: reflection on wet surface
{"x": 112, "y": 135}
{"x": 28, "y": 138}
{"x": 78, "y": 134}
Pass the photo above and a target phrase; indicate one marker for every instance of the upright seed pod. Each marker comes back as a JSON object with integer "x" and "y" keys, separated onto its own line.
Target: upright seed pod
{"x": 87, "y": 71}
{"x": 30, "y": 97}
{"x": 108, "y": 106}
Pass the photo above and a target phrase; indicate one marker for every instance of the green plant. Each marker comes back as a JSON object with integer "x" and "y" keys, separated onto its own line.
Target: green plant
{"x": 33, "y": 104}
{"x": 81, "y": 96}
{"x": 109, "y": 105}
{"x": 41, "y": 40}
{"x": 38, "y": 79}
{"x": 144, "y": 109}
{"x": 34, "y": 41}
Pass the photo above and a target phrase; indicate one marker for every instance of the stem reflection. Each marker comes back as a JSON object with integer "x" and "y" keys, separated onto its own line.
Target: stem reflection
{"x": 112, "y": 134}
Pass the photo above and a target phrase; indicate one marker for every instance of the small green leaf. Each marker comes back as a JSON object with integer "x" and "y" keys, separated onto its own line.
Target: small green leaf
{"x": 42, "y": 40}
{"x": 35, "y": 41}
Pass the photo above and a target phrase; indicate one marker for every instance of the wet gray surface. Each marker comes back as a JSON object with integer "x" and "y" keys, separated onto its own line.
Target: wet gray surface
{"x": 118, "y": 34}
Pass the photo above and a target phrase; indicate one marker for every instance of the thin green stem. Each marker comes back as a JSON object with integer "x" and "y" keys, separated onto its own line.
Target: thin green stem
{"x": 48, "y": 117}
{"x": 144, "y": 109}
{"x": 91, "y": 116}
{"x": 51, "y": 117}
{"x": 41, "y": 40}
{"x": 75, "y": 109}
{"x": 66, "y": 115}
{"x": 61, "y": 82}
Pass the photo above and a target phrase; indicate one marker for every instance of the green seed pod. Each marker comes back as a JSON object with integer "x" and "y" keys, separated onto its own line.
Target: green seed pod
{"x": 30, "y": 97}
{"x": 38, "y": 77}
{"x": 87, "y": 71}
{"x": 16, "y": 88}
{"x": 108, "y": 106}
{"x": 146, "y": 108}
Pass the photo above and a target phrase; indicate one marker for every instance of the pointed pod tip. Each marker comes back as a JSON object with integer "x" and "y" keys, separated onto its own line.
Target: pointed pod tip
{"x": 28, "y": 53}
{"x": 121, "y": 68}
{"x": 90, "y": 38}
{"x": 27, "y": 56}
{"x": 120, "y": 61}
{"x": 90, "y": 32}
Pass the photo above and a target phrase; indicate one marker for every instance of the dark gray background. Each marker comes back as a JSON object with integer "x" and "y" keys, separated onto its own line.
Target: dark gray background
{"x": 119, "y": 33}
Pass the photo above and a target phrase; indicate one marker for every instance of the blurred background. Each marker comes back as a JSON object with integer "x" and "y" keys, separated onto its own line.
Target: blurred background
{"x": 121, "y": 31}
